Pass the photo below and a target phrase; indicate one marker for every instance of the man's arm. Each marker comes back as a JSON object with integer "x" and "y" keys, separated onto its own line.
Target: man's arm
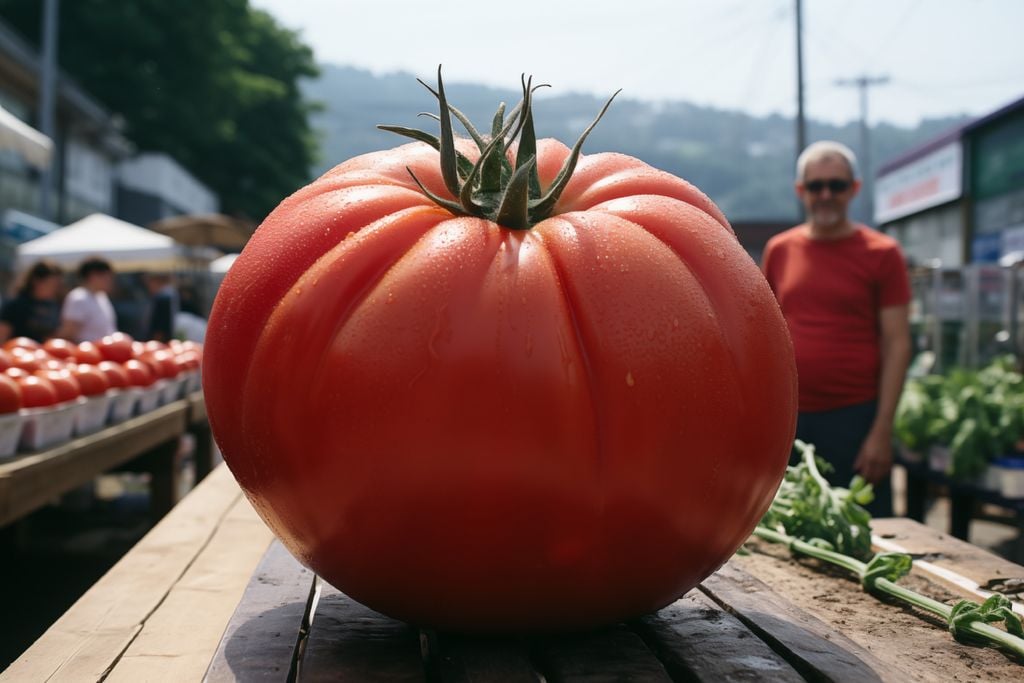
{"x": 875, "y": 457}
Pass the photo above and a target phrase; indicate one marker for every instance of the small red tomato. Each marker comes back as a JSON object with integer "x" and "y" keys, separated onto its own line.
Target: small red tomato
{"x": 117, "y": 376}
{"x": 36, "y": 391}
{"x": 87, "y": 352}
{"x": 10, "y": 394}
{"x": 162, "y": 363}
{"x": 25, "y": 359}
{"x": 92, "y": 380}
{"x": 154, "y": 345}
{"x": 21, "y": 343}
{"x": 59, "y": 348}
{"x": 68, "y": 388}
{"x": 116, "y": 346}
{"x": 139, "y": 373}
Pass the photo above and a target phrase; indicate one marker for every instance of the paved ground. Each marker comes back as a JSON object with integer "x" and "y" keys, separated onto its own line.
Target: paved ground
{"x": 52, "y": 557}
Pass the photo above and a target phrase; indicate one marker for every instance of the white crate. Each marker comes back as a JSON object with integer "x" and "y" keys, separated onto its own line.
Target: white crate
{"x": 1011, "y": 476}
{"x": 149, "y": 398}
{"x": 48, "y": 426}
{"x": 170, "y": 390}
{"x": 91, "y": 415}
{"x": 193, "y": 381}
{"x": 11, "y": 425}
{"x": 122, "y": 404}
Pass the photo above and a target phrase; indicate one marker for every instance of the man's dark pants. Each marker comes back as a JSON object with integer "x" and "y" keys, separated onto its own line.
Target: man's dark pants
{"x": 837, "y": 436}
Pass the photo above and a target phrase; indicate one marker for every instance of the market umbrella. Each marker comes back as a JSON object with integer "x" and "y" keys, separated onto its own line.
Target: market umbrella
{"x": 208, "y": 230}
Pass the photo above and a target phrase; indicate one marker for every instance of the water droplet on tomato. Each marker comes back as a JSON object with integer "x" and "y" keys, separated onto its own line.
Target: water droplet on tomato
{"x": 629, "y": 379}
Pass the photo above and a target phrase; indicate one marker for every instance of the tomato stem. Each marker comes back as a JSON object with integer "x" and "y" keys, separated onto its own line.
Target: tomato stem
{"x": 492, "y": 187}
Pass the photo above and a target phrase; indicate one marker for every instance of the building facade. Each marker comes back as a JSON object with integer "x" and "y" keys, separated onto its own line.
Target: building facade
{"x": 959, "y": 198}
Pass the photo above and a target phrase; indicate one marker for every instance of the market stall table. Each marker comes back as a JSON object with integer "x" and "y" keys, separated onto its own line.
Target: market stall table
{"x": 147, "y": 442}
{"x": 208, "y": 594}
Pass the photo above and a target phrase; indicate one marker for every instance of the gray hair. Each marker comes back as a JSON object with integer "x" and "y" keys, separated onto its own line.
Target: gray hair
{"x": 825, "y": 149}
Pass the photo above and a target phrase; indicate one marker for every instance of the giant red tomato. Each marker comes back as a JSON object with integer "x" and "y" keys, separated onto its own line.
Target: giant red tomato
{"x": 471, "y": 426}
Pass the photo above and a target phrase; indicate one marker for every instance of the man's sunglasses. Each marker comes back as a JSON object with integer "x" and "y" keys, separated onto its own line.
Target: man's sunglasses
{"x": 834, "y": 185}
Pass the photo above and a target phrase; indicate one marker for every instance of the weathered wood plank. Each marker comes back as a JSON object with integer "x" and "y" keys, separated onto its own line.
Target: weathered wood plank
{"x": 350, "y": 642}
{"x": 815, "y": 649}
{"x": 89, "y": 638}
{"x": 956, "y": 564}
{"x": 32, "y": 480}
{"x": 180, "y": 637}
{"x": 261, "y": 641}
{"x": 469, "y": 659}
{"x": 610, "y": 655}
{"x": 697, "y": 640}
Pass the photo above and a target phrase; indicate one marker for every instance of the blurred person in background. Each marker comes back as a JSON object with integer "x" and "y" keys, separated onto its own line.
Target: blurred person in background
{"x": 844, "y": 291}
{"x": 34, "y": 312}
{"x": 163, "y": 307}
{"x": 87, "y": 314}
{"x": 189, "y": 324}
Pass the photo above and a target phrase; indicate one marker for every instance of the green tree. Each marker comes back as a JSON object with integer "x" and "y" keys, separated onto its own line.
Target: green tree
{"x": 213, "y": 83}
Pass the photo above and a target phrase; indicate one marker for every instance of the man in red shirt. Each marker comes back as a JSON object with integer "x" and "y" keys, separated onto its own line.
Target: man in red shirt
{"x": 844, "y": 291}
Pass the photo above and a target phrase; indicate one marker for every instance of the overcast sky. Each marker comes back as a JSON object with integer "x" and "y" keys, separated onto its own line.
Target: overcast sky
{"x": 941, "y": 56}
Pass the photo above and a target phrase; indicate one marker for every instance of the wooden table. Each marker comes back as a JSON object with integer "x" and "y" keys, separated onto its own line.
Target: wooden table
{"x": 208, "y": 594}
{"x": 147, "y": 442}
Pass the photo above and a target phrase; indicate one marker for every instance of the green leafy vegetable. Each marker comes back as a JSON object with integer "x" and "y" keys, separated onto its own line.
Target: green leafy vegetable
{"x": 814, "y": 519}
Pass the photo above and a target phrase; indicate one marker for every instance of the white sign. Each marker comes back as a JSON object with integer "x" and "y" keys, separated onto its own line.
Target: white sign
{"x": 926, "y": 182}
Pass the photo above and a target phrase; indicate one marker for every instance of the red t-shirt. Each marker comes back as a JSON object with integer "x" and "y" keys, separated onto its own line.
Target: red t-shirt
{"x": 831, "y": 293}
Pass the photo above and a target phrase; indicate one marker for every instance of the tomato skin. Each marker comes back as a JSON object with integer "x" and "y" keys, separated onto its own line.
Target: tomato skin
{"x": 87, "y": 352}
{"x": 116, "y": 375}
{"x": 91, "y": 379}
{"x": 161, "y": 361}
{"x": 21, "y": 343}
{"x": 139, "y": 373}
{"x": 67, "y": 386}
{"x": 10, "y": 394}
{"x": 116, "y": 347}
{"x": 36, "y": 391}
{"x": 61, "y": 349}
{"x": 553, "y": 428}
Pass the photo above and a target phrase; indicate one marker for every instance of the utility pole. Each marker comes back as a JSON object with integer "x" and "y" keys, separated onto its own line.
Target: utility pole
{"x": 801, "y": 126}
{"x": 867, "y": 189}
{"x": 47, "y": 102}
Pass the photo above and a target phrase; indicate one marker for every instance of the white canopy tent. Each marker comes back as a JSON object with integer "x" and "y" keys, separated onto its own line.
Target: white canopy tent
{"x": 128, "y": 247}
{"x": 220, "y": 266}
{"x": 17, "y": 135}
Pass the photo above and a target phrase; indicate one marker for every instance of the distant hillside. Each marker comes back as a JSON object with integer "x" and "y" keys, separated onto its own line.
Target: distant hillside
{"x": 744, "y": 163}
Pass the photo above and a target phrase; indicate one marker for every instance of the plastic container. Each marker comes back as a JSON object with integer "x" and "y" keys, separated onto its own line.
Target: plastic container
{"x": 49, "y": 426}
{"x": 91, "y": 415}
{"x": 193, "y": 381}
{"x": 11, "y": 425}
{"x": 939, "y": 459}
{"x": 1011, "y": 475}
{"x": 122, "y": 404}
{"x": 990, "y": 479}
{"x": 170, "y": 390}
{"x": 148, "y": 398}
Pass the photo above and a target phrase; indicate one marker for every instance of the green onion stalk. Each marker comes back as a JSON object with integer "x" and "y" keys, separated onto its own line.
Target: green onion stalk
{"x": 969, "y": 622}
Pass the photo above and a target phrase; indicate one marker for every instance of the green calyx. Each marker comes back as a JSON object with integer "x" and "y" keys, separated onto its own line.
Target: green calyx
{"x": 493, "y": 188}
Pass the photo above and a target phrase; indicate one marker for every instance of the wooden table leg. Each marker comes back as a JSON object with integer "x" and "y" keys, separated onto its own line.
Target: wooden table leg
{"x": 162, "y": 465}
{"x": 917, "y": 494}
{"x": 961, "y": 510}
{"x": 203, "y": 454}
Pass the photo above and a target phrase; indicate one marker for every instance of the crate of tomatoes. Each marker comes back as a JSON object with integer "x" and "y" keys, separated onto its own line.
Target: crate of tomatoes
{"x": 58, "y": 389}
